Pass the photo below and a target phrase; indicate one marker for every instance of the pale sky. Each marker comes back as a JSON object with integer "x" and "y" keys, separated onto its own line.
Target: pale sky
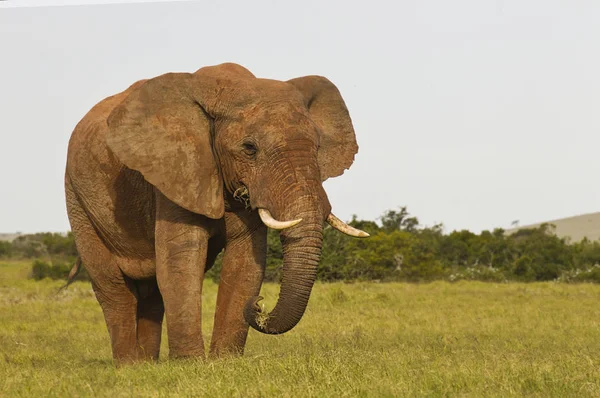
{"x": 471, "y": 113}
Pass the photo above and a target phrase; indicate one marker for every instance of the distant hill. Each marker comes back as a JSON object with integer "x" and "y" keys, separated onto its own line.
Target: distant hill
{"x": 577, "y": 227}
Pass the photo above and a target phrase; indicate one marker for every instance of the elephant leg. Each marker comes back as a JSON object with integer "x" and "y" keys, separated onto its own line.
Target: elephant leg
{"x": 150, "y": 312}
{"x": 241, "y": 277}
{"x": 119, "y": 305}
{"x": 115, "y": 293}
{"x": 181, "y": 251}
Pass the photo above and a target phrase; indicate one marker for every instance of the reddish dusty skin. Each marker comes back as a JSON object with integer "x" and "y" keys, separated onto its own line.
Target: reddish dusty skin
{"x": 149, "y": 183}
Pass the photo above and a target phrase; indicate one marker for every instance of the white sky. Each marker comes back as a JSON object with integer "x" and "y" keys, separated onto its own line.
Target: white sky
{"x": 471, "y": 113}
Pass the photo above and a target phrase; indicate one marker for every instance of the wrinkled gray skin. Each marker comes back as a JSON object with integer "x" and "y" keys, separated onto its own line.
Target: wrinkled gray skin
{"x": 150, "y": 181}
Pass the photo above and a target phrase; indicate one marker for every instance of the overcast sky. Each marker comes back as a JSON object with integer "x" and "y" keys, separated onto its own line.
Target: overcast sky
{"x": 471, "y": 113}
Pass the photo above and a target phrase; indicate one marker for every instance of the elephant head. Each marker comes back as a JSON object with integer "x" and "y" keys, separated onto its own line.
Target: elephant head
{"x": 206, "y": 137}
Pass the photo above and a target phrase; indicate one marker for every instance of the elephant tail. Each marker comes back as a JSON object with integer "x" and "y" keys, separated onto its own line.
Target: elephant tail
{"x": 74, "y": 271}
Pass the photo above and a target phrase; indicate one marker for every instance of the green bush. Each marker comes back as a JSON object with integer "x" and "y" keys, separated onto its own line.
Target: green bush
{"x": 591, "y": 274}
{"x": 5, "y": 249}
{"x": 399, "y": 249}
{"x": 478, "y": 273}
{"x": 523, "y": 269}
{"x": 40, "y": 245}
{"x": 274, "y": 260}
{"x": 41, "y": 269}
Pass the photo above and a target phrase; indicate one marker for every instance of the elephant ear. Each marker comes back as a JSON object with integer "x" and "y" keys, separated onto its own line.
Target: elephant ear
{"x": 164, "y": 132}
{"x": 328, "y": 110}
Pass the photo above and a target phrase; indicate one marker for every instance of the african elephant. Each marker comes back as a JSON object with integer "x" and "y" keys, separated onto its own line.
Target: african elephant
{"x": 163, "y": 176}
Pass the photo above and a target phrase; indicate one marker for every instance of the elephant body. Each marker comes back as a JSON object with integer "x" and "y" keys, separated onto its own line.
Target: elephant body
{"x": 163, "y": 176}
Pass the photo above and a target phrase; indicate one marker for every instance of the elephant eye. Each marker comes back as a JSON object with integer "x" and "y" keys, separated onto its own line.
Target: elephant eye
{"x": 249, "y": 148}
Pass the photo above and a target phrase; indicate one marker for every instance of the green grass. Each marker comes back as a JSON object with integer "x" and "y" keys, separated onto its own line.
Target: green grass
{"x": 364, "y": 339}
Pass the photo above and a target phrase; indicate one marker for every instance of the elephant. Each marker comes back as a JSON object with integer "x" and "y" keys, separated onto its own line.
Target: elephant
{"x": 163, "y": 176}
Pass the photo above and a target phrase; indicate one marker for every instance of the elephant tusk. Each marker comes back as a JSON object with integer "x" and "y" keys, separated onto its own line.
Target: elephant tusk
{"x": 345, "y": 228}
{"x": 269, "y": 221}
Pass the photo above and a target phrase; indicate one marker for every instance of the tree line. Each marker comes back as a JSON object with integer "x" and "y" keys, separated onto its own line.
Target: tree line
{"x": 399, "y": 249}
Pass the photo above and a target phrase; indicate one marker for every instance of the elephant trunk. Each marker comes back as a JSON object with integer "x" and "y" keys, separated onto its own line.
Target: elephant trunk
{"x": 301, "y": 254}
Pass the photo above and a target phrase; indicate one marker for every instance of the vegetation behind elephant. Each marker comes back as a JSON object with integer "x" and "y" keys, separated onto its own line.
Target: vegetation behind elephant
{"x": 163, "y": 176}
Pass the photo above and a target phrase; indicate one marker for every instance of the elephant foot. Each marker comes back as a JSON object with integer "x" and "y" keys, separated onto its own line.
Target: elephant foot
{"x": 195, "y": 351}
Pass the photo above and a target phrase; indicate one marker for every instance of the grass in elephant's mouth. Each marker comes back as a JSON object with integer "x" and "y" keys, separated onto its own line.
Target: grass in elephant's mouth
{"x": 262, "y": 317}
{"x": 361, "y": 339}
{"x": 242, "y": 195}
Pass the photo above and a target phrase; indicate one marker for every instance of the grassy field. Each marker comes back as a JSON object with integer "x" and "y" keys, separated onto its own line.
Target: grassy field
{"x": 363, "y": 339}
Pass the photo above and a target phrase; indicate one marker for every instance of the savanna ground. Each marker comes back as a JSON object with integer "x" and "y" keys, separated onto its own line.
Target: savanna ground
{"x": 362, "y": 339}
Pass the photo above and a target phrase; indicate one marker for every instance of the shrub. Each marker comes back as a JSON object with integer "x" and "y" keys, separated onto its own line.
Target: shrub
{"x": 400, "y": 249}
{"x": 479, "y": 273}
{"x": 41, "y": 269}
{"x": 5, "y": 249}
{"x": 591, "y": 274}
